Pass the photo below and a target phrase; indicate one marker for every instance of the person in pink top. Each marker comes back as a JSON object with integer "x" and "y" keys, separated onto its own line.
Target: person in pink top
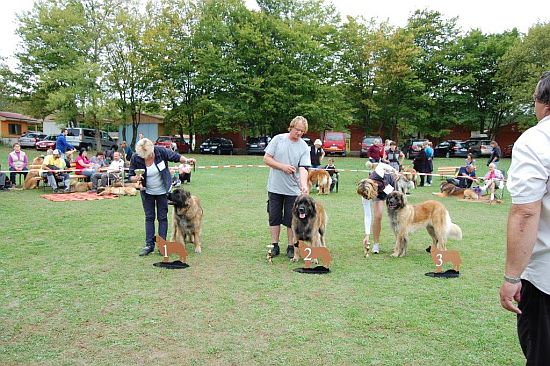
{"x": 18, "y": 161}
{"x": 494, "y": 178}
{"x": 83, "y": 164}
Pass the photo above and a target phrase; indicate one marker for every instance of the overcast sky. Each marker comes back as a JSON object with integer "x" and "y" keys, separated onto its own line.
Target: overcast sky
{"x": 491, "y": 16}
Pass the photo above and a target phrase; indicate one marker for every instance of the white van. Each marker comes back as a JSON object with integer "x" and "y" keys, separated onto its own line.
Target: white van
{"x": 85, "y": 138}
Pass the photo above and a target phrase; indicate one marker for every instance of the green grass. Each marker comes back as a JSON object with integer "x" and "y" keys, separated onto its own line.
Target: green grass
{"x": 74, "y": 290}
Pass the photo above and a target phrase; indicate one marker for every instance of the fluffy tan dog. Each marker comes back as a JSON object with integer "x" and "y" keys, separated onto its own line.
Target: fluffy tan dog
{"x": 119, "y": 191}
{"x": 81, "y": 186}
{"x": 411, "y": 175}
{"x": 406, "y": 218}
{"x": 309, "y": 222}
{"x": 187, "y": 219}
{"x": 313, "y": 254}
{"x": 170, "y": 247}
{"x": 320, "y": 178}
{"x": 449, "y": 189}
{"x": 30, "y": 181}
{"x": 439, "y": 257}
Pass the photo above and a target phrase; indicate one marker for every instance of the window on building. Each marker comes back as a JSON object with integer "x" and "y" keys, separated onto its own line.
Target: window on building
{"x": 14, "y": 129}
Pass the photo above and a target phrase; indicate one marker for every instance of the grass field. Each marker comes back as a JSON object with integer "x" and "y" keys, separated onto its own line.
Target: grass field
{"x": 75, "y": 291}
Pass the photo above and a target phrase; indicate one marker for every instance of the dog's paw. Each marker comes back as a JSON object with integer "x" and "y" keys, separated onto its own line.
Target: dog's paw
{"x": 198, "y": 249}
{"x": 294, "y": 259}
{"x": 395, "y": 255}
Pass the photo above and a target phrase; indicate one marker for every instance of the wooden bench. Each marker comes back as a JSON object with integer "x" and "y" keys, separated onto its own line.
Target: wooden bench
{"x": 447, "y": 171}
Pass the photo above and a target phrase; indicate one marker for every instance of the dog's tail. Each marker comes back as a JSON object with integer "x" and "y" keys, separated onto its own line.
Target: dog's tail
{"x": 453, "y": 230}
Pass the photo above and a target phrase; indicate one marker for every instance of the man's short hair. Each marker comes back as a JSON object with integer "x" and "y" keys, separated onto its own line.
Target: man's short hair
{"x": 542, "y": 91}
{"x": 100, "y": 153}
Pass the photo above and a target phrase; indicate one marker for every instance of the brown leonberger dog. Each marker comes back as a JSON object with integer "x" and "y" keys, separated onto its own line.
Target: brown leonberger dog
{"x": 30, "y": 180}
{"x": 449, "y": 189}
{"x": 187, "y": 219}
{"x": 432, "y": 215}
{"x": 309, "y": 223}
{"x": 320, "y": 178}
{"x": 118, "y": 191}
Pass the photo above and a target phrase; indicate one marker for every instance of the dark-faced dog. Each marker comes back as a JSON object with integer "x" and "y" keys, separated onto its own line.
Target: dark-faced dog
{"x": 449, "y": 189}
{"x": 309, "y": 222}
{"x": 187, "y": 219}
{"x": 407, "y": 218}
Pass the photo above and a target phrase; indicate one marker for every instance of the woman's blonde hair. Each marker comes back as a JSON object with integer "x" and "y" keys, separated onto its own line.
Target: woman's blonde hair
{"x": 145, "y": 148}
{"x": 297, "y": 120}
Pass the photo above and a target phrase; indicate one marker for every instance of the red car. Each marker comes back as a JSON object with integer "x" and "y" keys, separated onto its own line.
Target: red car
{"x": 335, "y": 143}
{"x": 168, "y": 141}
{"x": 47, "y": 143}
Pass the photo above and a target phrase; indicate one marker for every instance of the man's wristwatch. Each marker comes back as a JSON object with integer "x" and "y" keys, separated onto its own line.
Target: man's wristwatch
{"x": 512, "y": 280}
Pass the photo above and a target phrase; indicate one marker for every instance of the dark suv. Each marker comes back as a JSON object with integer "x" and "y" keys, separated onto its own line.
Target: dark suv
{"x": 412, "y": 147}
{"x": 256, "y": 145}
{"x": 366, "y": 143}
{"x": 217, "y": 145}
{"x": 451, "y": 148}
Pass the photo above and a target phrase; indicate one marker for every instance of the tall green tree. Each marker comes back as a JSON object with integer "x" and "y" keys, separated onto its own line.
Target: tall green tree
{"x": 481, "y": 97}
{"x": 520, "y": 69}
{"x": 126, "y": 65}
{"x": 433, "y": 35}
{"x": 60, "y": 62}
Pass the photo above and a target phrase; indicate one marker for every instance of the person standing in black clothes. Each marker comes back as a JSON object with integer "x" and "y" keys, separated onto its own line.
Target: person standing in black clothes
{"x": 420, "y": 164}
{"x": 316, "y": 154}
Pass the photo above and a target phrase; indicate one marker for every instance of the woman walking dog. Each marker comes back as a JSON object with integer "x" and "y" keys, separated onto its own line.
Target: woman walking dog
{"x": 152, "y": 164}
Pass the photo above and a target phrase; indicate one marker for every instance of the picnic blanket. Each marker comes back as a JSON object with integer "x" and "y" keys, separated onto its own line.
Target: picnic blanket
{"x": 86, "y": 196}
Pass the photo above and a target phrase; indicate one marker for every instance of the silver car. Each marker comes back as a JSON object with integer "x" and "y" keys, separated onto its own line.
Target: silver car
{"x": 31, "y": 138}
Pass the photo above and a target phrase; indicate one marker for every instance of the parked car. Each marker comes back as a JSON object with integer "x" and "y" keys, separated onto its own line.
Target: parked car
{"x": 335, "y": 143}
{"x": 479, "y": 147}
{"x": 47, "y": 143}
{"x": 217, "y": 145}
{"x": 167, "y": 141}
{"x": 256, "y": 145}
{"x": 85, "y": 138}
{"x": 366, "y": 143}
{"x": 451, "y": 148}
{"x": 507, "y": 151}
{"x": 307, "y": 140}
{"x": 412, "y": 147}
{"x": 30, "y": 138}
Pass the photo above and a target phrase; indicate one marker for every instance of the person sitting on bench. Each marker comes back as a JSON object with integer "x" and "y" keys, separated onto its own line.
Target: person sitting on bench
{"x": 112, "y": 174}
{"x": 50, "y": 165}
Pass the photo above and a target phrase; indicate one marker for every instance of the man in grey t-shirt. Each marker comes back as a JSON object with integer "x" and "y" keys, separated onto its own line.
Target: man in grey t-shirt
{"x": 288, "y": 157}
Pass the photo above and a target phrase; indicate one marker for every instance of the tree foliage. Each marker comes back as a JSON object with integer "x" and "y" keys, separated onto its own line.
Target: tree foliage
{"x": 215, "y": 66}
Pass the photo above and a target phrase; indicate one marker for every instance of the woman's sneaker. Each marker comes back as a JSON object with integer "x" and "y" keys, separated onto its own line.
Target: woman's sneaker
{"x": 376, "y": 248}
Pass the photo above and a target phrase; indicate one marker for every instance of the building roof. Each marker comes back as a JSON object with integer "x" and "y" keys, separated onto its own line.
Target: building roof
{"x": 18, "y": 117}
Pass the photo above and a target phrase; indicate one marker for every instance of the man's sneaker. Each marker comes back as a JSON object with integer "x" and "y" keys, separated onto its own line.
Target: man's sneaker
{"x": 376, "y": 248}
{"x": 428, "y": 184}
{"x": 275, "y": 250}
{"x": 146, "y": 251}
{"x": 290, "y": 251}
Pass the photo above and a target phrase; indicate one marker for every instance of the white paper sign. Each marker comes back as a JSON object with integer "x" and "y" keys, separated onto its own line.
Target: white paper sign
{"x": 388, "y": 189}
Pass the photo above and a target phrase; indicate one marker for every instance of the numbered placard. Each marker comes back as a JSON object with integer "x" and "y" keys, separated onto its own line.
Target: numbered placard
{"x": 167, "y": 248}
{"x": 440, "y": 257}
{"x": 314, "y": 254}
